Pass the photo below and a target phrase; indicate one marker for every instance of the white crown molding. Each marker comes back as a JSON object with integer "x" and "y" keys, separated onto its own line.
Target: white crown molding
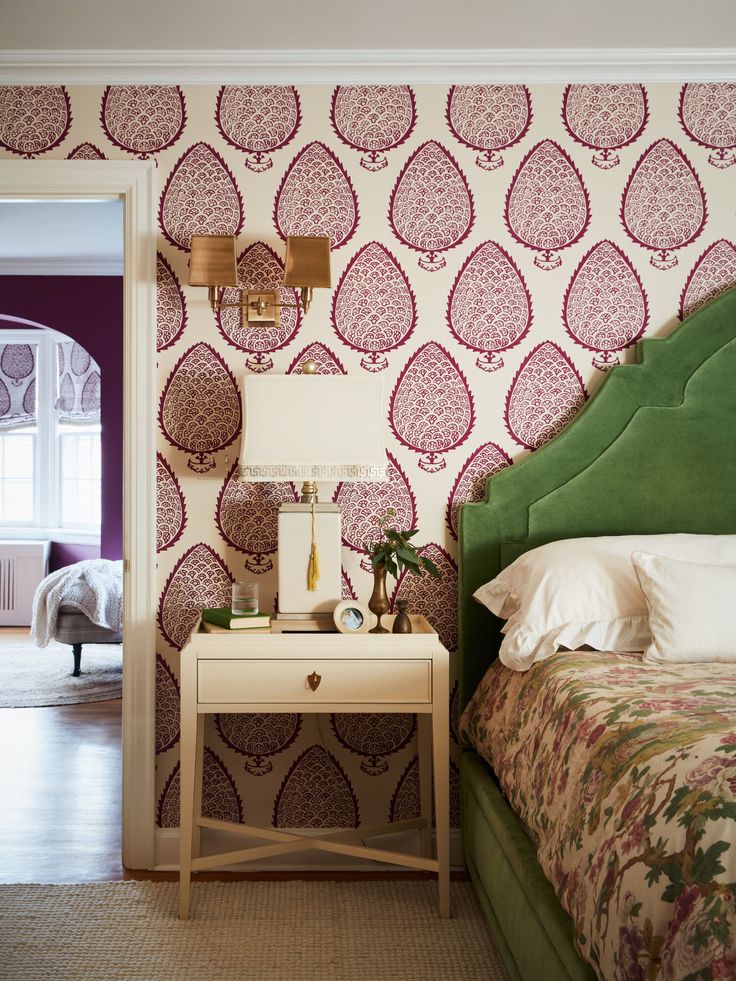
{"x": 330, "y": 66}
{"x": 61, "y": 266}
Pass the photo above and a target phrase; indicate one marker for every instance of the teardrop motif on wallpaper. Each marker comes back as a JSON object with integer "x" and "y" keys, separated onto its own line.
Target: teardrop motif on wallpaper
{"x": 200, "y": 197}
{"x": 663, "y": 207}
{"x": 431, "y": 207}
{"x": 547, "y": 392}
{"x": 455, "y": 714}
{"x": 220, "y": 798}
{"x": 605, "y": 307}
{"x": 260, "y": 268}
{"x": 18, "y": 361}
{"x": 712, "y": 275}
{"x": 258, "y": 119}
{"x": 363, "y": 502}
{"x": 86, "y": 151}
{"x": 373, "y": 307}
{"x": 547, "y": 205}
{"x": 200, "y": 579}
{"x": 143, "y": 119}
{"x": 316, "y": 793}
{"x": 347, "y": 590}
{"x": 374, "y": 736}
{"x": 316, "y": 197}
{"x": 247, "y": 517}
{"x": 171, "y": 509}
{"x": 373, "y": 118}
{"x": 490, "y": 307}
{"x": 33, "y": 118}
{"x": 470, "y": 484}
{"x": 707, "y": 112}
{"x": 435, "y": 599}
{"x": 167, "y": 707}
{"x": 199, "y": 411}
{"x": 489, "y": 118}
{"x": 405, "y": 801}
{"x": 431, "y": 409}
{"x": 326, "y": 360}
{"x": 171, "y": 307}
{"x": 256, "y": 737}
{"x": 605, "y": 118}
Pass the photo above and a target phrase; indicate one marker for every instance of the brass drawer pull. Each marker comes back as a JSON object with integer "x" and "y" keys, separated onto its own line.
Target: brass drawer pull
{"x": 313, "y": 680}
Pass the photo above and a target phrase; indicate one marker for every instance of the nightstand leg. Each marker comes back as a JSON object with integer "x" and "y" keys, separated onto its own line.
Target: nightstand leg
{"x": 198, "y": 778}
{"x": 424, "y": 732}
{"x": 441, "y": 754}
{"x": 187, "y": 748}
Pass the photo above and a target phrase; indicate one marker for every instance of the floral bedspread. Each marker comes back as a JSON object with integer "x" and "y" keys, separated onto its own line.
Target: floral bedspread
{"x": 626, "y": 774}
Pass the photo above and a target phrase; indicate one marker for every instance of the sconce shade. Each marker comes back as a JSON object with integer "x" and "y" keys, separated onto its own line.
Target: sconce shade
{"x": 212, "y": 261}
{"x": 307, "y": 261}
{"x": 312, "y": 427}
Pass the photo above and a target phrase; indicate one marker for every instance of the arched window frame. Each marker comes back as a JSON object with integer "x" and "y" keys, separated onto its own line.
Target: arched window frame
{"x": 50, "y": 517}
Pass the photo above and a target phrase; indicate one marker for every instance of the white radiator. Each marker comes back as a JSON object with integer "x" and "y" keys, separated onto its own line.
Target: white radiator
{"x": 23, "y": 565}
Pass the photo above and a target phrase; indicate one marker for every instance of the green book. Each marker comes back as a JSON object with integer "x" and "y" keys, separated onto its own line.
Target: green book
{"x": 222, "y": 616}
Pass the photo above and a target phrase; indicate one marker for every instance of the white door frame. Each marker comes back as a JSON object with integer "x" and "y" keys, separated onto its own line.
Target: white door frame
{"x": 133, "y": 182}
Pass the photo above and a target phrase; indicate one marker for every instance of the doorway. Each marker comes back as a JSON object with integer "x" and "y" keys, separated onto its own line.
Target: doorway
{"x": 132, "y": 183}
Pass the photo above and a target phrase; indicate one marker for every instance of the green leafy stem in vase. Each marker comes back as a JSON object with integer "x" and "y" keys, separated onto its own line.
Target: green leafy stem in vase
{"x": 395, "y": 551}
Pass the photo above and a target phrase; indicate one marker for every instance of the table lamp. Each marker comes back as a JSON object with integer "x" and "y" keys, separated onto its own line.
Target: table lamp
{"x": 311, "y": 427}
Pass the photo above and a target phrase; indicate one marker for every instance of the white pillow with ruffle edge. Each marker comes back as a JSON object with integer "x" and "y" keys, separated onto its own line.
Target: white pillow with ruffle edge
{"x": 580, "y": 592}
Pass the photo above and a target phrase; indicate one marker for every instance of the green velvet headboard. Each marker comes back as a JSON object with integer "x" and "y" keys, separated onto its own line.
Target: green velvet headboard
{"x": 653, "y": 452}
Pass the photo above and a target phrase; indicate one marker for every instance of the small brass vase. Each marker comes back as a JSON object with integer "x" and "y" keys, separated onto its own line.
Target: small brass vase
{"x": 402, "y": 623}
{"x": 378, "y": 603}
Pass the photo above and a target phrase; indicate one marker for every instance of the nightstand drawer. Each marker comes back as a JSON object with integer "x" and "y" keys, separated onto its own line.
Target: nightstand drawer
{"x": 272, "y": 681}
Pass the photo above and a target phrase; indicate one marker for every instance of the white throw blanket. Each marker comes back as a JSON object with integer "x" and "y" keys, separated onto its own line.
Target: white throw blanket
{"x": 94, "y": 587}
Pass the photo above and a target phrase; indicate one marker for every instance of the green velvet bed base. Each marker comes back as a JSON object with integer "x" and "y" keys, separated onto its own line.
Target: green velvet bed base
{"x": 653, "y": 452}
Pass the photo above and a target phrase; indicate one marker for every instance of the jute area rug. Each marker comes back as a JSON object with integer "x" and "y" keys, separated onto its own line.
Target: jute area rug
{"x": 270, "y": 931}
{"x": 31, "y": 677}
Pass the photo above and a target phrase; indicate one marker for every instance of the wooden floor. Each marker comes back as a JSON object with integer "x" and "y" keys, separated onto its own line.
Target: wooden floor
{"x": 60, "y": 820}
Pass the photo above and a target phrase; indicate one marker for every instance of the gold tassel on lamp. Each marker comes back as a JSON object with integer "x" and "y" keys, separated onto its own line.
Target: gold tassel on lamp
{"x": 313, "y": 567}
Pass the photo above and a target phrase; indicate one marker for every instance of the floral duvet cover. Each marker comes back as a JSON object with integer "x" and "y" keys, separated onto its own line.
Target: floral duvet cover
{"x": 625, "y": 773}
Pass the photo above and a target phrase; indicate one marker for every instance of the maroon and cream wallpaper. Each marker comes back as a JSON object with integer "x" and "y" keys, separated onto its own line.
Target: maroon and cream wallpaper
{"x": 496, "y": 249}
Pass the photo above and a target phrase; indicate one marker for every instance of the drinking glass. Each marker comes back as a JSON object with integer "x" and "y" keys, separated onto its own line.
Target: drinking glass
{"x": 244, "y": 598}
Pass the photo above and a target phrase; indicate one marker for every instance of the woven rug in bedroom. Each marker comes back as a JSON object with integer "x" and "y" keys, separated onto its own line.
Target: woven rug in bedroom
{"x": 32, "y": 677}
{"x": 259, "y": 931}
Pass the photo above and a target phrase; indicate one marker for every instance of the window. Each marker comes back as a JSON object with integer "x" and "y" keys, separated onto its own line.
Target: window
{"x": 79, "y": 456}
{"x": 17, "y": 452}
{"x": 50, "y": 437}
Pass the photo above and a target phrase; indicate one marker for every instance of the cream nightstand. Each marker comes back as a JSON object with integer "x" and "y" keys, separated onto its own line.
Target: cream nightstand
{"x": 265, "y": 671}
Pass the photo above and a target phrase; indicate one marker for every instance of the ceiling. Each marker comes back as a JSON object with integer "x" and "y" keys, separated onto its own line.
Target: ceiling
{"x": 61, "y": 238}
{"x": 380, "y": 24}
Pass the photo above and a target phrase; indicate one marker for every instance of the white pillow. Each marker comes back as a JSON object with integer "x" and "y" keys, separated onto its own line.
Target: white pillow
{"x": 692, "y": 609}
{"x": 584, "y": 591}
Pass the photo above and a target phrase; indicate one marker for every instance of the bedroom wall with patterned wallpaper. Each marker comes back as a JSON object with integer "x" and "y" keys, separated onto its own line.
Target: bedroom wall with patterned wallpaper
{"x": 496, "y": 249}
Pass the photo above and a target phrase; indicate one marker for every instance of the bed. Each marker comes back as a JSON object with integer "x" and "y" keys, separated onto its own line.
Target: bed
{"x": 654, "y": 452}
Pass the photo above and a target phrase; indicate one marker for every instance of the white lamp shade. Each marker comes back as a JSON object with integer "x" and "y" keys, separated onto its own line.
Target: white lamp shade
{"x": 312, "y": 427}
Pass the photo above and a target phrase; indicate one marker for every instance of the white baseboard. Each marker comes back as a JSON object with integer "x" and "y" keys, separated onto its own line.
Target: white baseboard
{"x": 167, "y": 853}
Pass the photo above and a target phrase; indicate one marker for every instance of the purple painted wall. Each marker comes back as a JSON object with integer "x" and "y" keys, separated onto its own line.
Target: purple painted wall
{"x": 67, "y": 553}
{"x": 88, "y": 309}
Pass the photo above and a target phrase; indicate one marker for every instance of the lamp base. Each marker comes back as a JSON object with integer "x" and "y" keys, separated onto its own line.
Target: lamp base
{"x": 285, "y": 623}
{"x": 295, "y": 541}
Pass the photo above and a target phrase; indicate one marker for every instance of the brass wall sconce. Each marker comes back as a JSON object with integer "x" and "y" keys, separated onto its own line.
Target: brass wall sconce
{"x": 212, "y": 264}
